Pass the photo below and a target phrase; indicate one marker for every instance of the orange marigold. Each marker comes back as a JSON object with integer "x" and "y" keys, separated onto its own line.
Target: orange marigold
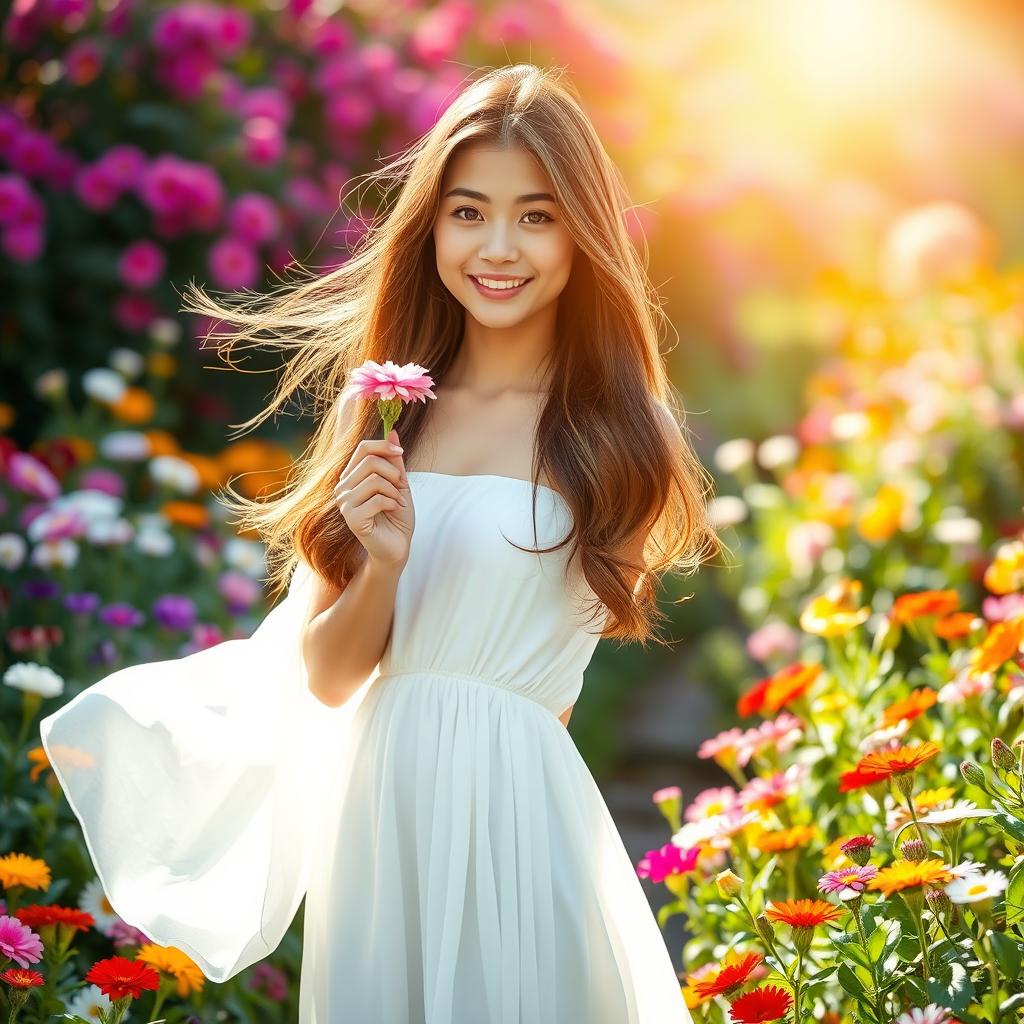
{"x": 885, "y": 763}
{"x": 916, "y": 703}
{"x": 173, "y": 961}
{"x": 1000, "y": 645}
{"x": 787, "y": 685}
{"x": 911, "y": 874}
{"x": 186, "y": 513}
{"x": 803, "y": 913}
{"x": 908, "y": 607}
{"x": 776, "y": 840}
{"x": 956, "y": 626}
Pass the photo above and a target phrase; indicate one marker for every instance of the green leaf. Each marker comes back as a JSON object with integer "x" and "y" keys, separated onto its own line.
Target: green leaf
{"x": 876, "y": 943}
{"x": 1012, "y": 1003}
{"x": 848, "y": 946}
{"x": 1007, "y": 953}
{"x": 849, "y": 980}
{"x": 1015, "y": 896}
{"x": 670, "y": 910}
{"x": 1008, "y": 823}
{"x": 953, "y": 988}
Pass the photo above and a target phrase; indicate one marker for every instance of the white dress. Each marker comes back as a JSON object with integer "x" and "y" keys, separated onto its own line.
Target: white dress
{"x": 459, "y": 863}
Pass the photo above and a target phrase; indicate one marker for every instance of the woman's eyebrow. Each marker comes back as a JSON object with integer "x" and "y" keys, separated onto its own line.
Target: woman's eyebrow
{"x": 530, "y": 197}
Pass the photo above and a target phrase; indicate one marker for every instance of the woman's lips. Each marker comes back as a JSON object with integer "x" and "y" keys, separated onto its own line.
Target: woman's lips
{"x": 498, "y": 293}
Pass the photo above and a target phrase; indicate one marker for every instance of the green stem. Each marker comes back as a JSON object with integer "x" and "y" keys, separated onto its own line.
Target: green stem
{"x": 874, "y": 976}
{"x": 922, "y": 938}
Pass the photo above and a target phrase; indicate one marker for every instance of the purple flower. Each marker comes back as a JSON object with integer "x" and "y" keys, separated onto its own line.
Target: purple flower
{"x": 40, "y": 589}
{"x": 104, "y": 653}
{"x": 174, "y": 611}
{"x": 28, "y": 474}
{"x": 82, "y": 602}
{"x": 121, "y": 615}
{"x": 141, "y": 264}
{"x": 19, "y": 942}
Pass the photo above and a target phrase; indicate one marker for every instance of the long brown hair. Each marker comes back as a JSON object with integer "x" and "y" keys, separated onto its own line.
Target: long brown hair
{"x": 601, "y": 437}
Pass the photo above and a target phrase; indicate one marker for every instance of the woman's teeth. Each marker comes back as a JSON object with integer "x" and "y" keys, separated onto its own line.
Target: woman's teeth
{"x": 501, "y": 285}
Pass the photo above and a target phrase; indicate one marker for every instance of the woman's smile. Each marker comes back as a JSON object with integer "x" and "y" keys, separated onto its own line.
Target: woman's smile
{"x": 498, "y": 287}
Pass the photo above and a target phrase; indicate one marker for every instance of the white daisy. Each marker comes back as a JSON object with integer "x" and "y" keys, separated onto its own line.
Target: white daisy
{"x": 12, "y": 551}
{"x": 103, "y": 385}
{"x": 976, "y": 886}
{"x": 93, "y": 900}
{"x": 88, "y": 1002}
{"x": 32, "y": 677}
{"x": 176, "y": 473}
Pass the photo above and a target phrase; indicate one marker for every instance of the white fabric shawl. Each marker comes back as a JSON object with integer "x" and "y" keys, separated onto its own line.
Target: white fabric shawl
{"x": 197, "y": 782}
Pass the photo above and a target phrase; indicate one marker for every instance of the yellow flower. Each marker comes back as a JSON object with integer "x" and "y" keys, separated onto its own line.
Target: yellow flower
{"x": 883, "y": 515}
{"x": 171, "y": 960}
{"x": 162, "y": 365}
{"x": 20, "y": 869}
{"x": 929, "y": 798}
{"x": 835, "y": 612}
{"x": 829, "y": 703}
{"x": 1005, "y": 574}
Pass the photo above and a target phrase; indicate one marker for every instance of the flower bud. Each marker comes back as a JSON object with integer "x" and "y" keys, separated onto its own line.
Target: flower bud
{"x": 938, "y": 901}
{"x": 729, "y": 884}
{"x": 802, "y": 938}
{"x": 973, "y": 773}
{"x": 1002, "y": 756}
{"x": 914, "y": 849}
{"x": 904, "y": 783}
{"x": 858, "y": 849}
{"x": 764, "y": 928}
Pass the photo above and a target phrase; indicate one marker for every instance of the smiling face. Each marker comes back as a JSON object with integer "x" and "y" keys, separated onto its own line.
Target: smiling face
{"x": 497, "y": 223}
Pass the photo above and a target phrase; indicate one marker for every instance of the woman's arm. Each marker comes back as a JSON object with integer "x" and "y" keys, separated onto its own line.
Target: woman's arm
{"x": 347, "y": 630}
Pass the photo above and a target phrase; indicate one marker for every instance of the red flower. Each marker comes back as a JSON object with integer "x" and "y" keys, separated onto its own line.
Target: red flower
{"x": 763, "y": 1004}
{"x": 118, "y": 977}
{"x": 19, "y": 977}
{"x": 735, "y": 971}
{"x": 38, "y": 914}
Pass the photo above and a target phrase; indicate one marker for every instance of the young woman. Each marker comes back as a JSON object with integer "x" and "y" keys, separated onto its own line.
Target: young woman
{"x": 391, "y": 742}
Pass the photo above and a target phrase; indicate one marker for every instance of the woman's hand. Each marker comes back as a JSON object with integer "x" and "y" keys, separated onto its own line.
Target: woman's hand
{"x": 373, "y": 495}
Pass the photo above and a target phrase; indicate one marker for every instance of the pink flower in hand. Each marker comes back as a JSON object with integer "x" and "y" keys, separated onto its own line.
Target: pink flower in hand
{"x": 391, "y": 385}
